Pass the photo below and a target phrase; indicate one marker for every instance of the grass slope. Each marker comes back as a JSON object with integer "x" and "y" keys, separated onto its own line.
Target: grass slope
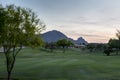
{"x": 33, "y": 64}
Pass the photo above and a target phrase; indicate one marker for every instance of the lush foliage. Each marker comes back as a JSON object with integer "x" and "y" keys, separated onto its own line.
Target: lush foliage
{"x": 114, "y": 44}
{"x": 18, "y": 28}
{"x": 96, "y": 46}
{"x": 64, "y": 43}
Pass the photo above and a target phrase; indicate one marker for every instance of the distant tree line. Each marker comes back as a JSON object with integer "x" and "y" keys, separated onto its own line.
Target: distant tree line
{"x": 61, "y": 44}
{"x": 96, "y": 47}
{"x": 113, "y": 45}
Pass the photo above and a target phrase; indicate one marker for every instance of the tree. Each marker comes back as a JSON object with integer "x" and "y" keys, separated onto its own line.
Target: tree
{"x": 50, "y": 46}
{"x": 18, "y": 28}
{"x": 69, "y": 43}
{"x": 91, "y": 46}
{"x": 114, "y": 44}
{"x": 108, "y": 51}
{"x": 118, "y": 34}
{"x": 64, "y": 43}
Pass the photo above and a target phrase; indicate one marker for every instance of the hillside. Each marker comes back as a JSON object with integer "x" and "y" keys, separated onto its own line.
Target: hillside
{"x": 54, "y": 35}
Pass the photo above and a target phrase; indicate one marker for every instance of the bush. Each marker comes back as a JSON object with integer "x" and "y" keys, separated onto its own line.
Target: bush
{"x": 108, "y": 51}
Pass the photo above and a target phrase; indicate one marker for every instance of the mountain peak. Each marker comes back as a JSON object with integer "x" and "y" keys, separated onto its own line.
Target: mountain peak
{"x": 54, "y": 35}
{"x": 81, "y": 40}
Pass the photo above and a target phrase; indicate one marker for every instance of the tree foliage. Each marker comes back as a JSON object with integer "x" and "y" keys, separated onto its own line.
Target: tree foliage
{"x": 18, "y": 27}
{"x": 96, "y": 47}
{"x": 64, "y": 43}
{"x": 114, "y": 44}
{"x": 91, "y": 47}
{"x": 118, "y": 34}
{"x": 50, "y": 46}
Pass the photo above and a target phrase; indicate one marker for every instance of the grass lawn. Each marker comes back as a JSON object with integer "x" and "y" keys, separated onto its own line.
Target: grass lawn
{"x": 33, "y": 64}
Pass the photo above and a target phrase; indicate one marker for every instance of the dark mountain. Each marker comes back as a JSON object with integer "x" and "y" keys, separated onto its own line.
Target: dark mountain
{"x": 80, "y": 41}
{"x": 54, "y": 35}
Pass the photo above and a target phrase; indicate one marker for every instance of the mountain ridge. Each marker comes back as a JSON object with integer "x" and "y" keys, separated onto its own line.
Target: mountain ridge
{"x": 54, "y": 35}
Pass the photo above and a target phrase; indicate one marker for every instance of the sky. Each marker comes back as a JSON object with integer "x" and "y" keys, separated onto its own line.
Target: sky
{"x": 94, "y": 20}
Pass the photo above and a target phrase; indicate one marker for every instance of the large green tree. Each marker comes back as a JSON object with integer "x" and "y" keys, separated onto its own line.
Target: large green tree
{"x": 18, "y": 28}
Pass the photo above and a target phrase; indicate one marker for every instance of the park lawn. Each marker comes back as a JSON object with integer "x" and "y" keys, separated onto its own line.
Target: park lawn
{"x": 36, "y": 64}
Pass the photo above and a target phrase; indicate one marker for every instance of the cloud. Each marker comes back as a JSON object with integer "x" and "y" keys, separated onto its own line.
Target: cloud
{"x": 93, "y": 35}
{"x": 92, "y": 21}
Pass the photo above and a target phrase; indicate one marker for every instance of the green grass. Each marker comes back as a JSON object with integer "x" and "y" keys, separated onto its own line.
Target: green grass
{"x": 36, "y": 64}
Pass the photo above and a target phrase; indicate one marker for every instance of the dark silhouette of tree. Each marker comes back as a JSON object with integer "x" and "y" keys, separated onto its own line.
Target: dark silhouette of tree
{"x": 91, "y": 47}
{"x": 108, "y": 51}
{"x": 114, "y": 44}
{"x": 18, "y": 28}
{"x": 118, "y": 34}
{"x": 50, "y": 46}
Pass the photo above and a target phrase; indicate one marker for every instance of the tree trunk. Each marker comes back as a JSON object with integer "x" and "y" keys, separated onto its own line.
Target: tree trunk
{"x": 10, "y": 61}
{"x": 10, "y": 68}
{"x": 108, "y": 54}
{"x": 63, "y": 49}
{"x": 9, "y": 75}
